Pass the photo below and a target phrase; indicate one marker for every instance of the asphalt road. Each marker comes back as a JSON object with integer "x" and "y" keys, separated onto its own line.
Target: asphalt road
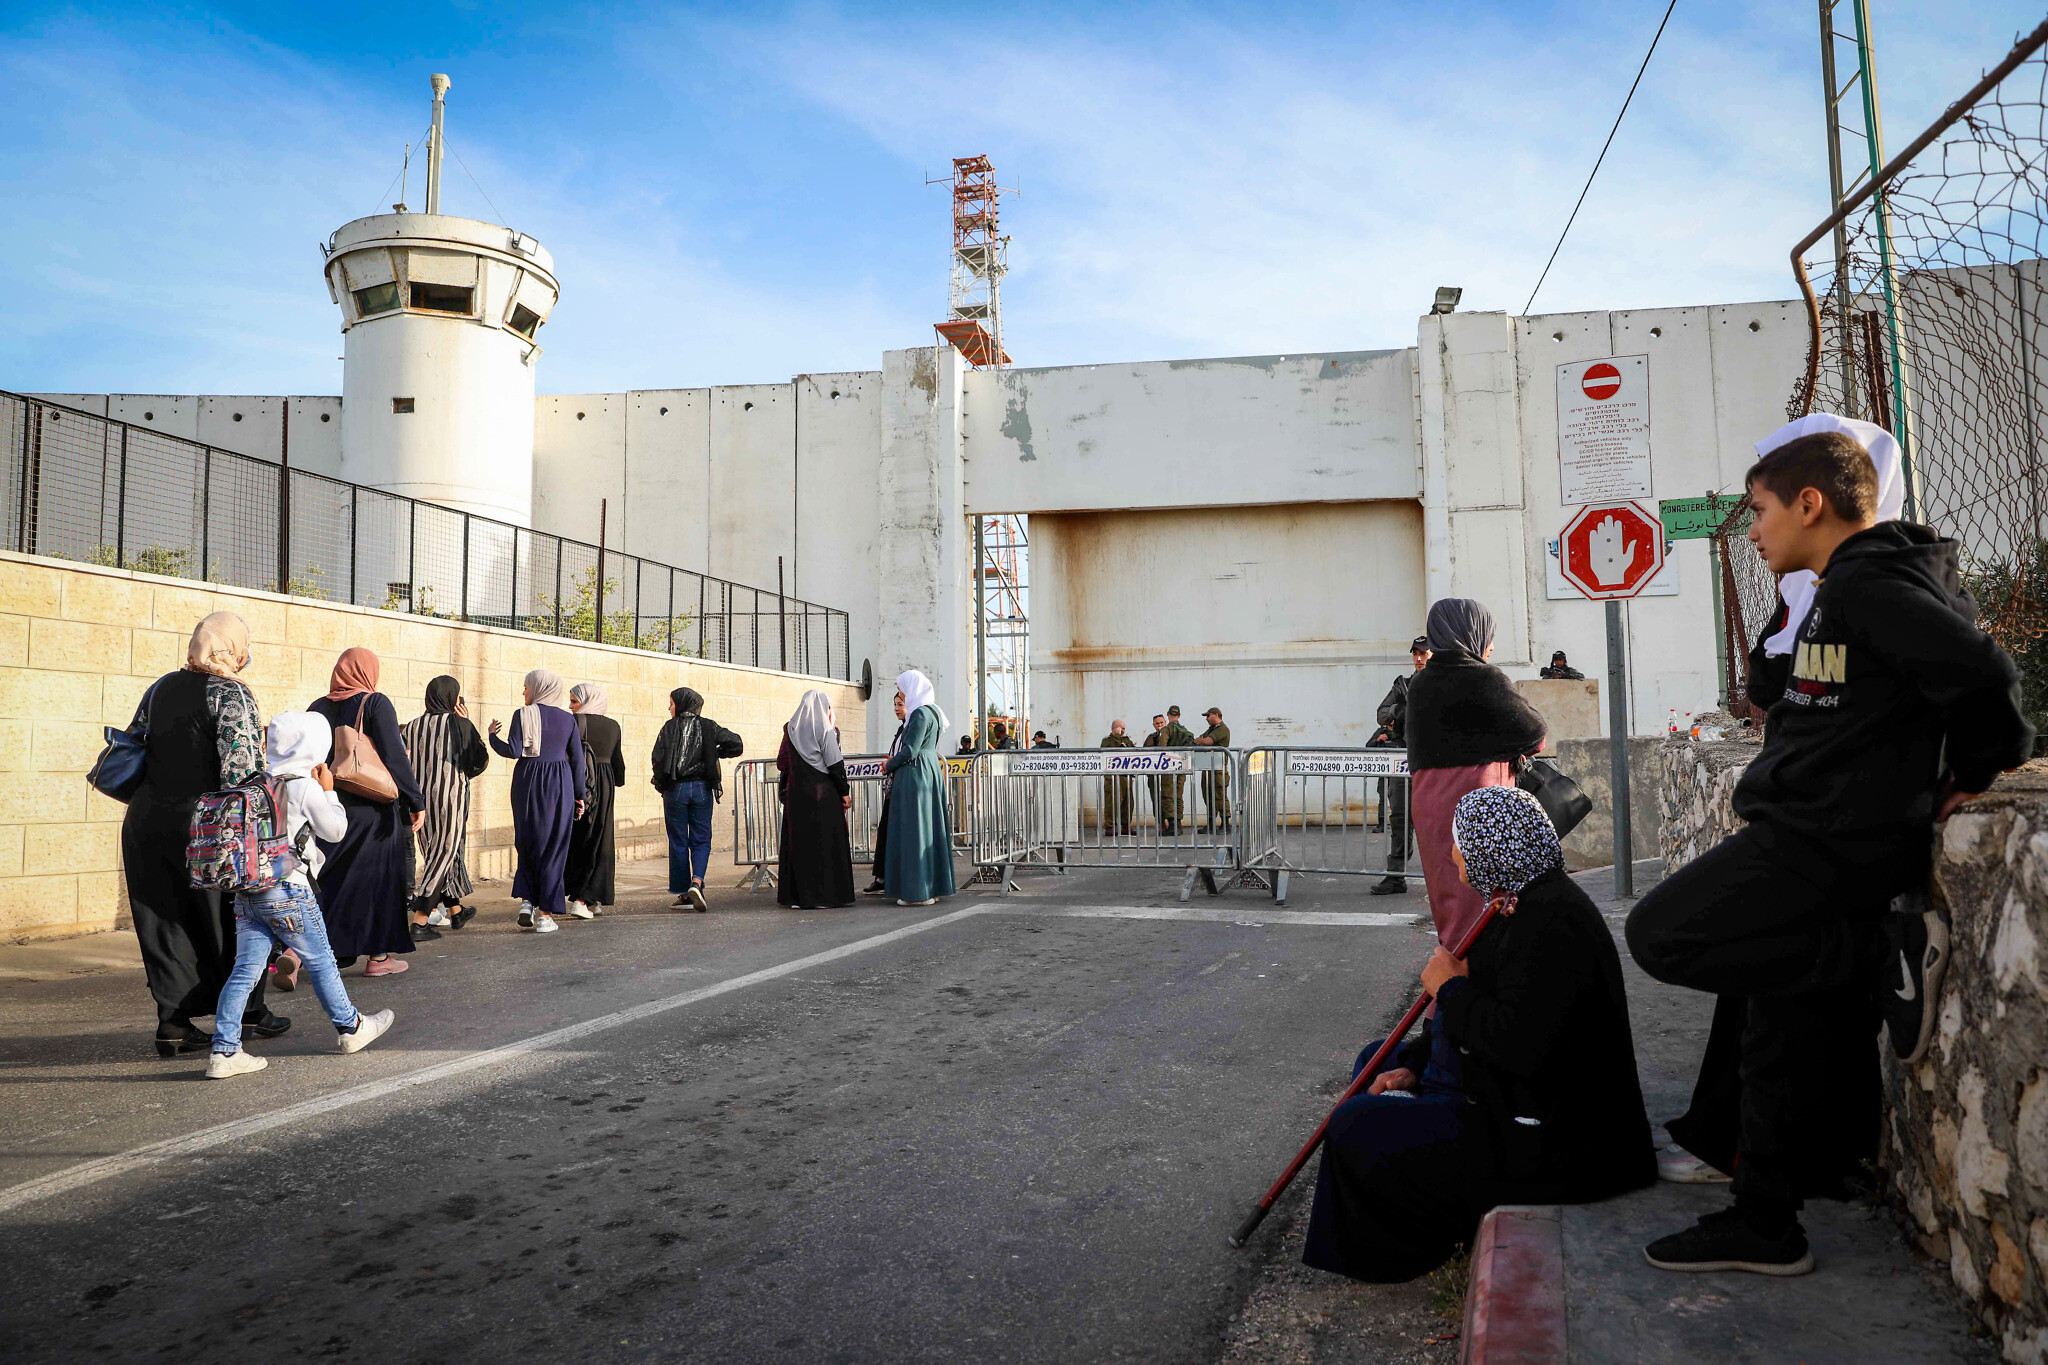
{"x": 1020, "y": 1132}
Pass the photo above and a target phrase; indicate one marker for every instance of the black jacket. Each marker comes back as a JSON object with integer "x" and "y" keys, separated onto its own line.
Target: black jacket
{"x": 1393, "y": 712}
{"x": 1542, "y": 1026}
{"x": 1890, "y": 680}
{"x": 1462, "y": 711}
{"x": 688, "y": 749}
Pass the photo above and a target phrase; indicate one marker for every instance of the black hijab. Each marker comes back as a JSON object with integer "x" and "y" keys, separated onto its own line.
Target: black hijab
{"x": 1462, "y": 711}
{"x": 442, "y": 694}
{"x": 688, "y": 701}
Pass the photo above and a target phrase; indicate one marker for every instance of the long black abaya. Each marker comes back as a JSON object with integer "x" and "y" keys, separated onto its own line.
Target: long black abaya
{"x": 817, "y": 855}
{"x": 365, "y": 886}
{"x": 593, "y": 856}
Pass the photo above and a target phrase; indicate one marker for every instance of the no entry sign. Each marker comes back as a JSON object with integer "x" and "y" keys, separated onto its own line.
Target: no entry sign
{"x": 1611, "y": 550}
{"x": 1603, "y": 430}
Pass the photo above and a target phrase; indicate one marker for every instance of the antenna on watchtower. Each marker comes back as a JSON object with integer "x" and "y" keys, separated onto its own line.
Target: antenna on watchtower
{"x": 981, "y": 257}
{"x": 440, "y": 84}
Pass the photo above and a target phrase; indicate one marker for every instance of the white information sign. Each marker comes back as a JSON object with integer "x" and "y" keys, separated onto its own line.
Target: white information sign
{"x": 1603, "y": 430}
{"x": 1052, "y": 763}
{"x": 1375, "y": 763}
{"x": 869, "y": 769}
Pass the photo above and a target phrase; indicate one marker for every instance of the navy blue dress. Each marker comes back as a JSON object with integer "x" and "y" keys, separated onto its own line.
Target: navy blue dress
{"x": 365, "y": 886}
{"x": 544, "y": 793}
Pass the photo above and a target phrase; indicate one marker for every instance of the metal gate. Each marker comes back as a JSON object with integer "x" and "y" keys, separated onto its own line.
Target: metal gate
{"x": 1327, "y": 811}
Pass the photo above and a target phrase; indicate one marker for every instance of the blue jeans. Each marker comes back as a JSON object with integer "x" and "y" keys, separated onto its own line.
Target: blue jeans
{"x": 288, "y": 916}
{"x": 686, "y": 810}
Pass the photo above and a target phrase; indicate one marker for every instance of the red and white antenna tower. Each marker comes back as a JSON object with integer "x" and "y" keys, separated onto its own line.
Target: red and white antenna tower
{"x": 981, "y": 257}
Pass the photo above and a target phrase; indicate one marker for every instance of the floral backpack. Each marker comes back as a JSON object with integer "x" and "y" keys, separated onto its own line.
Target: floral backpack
{"x": 238, "y": 840}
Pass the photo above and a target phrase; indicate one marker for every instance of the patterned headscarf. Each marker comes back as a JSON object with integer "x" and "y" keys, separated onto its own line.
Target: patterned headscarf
{"x": 220, "y": 645}
{"x": 1507, "y": 841}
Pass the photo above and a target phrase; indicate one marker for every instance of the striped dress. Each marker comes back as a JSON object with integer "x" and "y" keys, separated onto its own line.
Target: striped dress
{"x": 446, "y": 752}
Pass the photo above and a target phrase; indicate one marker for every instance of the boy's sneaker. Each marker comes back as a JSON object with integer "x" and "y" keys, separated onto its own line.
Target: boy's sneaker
{"x": 369, "y": 1028}
{"x": 222, "y": 1066}
{"x": 696, "y": 895}
{"x": 1725, "y": 1241}
{"x": 1914, "y": 966}
{"x": 1680, "y": 1167}
{"x": 525, "y": 915}
{"x": 438, "y": 917}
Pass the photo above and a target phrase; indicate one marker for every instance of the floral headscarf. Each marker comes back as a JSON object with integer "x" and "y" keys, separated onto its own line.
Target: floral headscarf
{"x": 1507, "y": 841}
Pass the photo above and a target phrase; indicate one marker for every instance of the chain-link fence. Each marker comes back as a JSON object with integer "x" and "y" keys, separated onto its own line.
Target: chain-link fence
{"x": 75, "y": 485}
{"x": 1928, "y": 322}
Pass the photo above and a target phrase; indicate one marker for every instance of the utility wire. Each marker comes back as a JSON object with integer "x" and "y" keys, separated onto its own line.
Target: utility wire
{"x": 1602, "y": 157}
{"x": 494, "y": 203}
{"x": 385, "y": 198}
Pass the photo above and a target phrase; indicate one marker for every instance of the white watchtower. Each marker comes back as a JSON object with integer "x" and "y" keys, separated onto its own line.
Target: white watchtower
{"x": 439, "y": 317}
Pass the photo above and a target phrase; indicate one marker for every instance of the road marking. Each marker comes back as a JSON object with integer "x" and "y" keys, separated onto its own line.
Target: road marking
{"x": 1218, "y": 963}
{"x": 107, "y": 1168}
{"x": 1202, "y": 915}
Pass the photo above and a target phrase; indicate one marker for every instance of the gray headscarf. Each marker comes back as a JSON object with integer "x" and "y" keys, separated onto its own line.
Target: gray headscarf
{"x": 547, "y": 691}
{"x": 811, "y": 732}
{"x": 590, "y": 697}
{"x": 1460, "y": 623}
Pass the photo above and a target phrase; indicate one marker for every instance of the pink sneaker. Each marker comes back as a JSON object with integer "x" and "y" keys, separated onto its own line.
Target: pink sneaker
{"x": 384, "y": 966}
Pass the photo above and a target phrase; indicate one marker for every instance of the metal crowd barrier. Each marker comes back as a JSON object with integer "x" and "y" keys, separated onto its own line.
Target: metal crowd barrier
{"x": 757, "y": 812}
{"x": 1263, "y": 813}
{"x": 1327, "y": 811}
{"x": 1124, "y": 808}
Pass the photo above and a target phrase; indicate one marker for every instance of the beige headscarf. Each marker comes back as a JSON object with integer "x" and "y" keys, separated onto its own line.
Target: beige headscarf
{"x": 220, "y": 646}
{"x": 547, "y": 690}
{"x": 590, "y": 697}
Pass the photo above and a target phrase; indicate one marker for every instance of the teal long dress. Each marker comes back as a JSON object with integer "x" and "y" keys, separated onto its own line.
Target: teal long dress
{"x": 919, "y": 851}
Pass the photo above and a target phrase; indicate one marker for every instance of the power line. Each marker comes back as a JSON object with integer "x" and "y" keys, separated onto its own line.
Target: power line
{"x": 1602, "y": 157}
{"x": 494, "y": 203}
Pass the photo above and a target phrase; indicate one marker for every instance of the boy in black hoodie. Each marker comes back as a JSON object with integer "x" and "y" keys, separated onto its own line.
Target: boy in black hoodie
{"x": 1895, "y": 707}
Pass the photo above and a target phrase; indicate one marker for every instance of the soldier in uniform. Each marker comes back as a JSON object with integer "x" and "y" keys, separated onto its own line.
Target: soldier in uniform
{"x": 1165, "y": 790}
{"x": 1177, "y": 736}
{"x": 1119, "y": 794}
{"x": 1215, "y": 781}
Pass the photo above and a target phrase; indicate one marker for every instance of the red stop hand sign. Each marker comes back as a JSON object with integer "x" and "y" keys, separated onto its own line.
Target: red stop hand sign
{"x": 1611, "y": 550}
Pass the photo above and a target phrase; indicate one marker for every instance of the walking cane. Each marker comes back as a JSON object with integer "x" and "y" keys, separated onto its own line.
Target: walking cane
{"x": 1365, "y": 1075}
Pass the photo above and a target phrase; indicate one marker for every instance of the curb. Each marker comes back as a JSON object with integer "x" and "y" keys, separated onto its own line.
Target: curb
{"x": 1514, "y": 1300}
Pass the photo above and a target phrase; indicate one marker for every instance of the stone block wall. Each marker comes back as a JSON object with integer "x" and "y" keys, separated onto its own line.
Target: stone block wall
{"x": 1966, "y": 1130}
{"x": 79, "y": 644}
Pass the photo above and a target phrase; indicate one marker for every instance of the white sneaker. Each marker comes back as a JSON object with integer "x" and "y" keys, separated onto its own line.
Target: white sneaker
{"x": 222, "y": 1066}
{"x": 438, "y": 917}
{"x": 578, "y": 910}
{"x": 369, "y": 1028}
{"x": 1680, "y": 1167}
{"x": 525, "y": 915}
{"x": 545, "y": 924}
{"x": 933, "y": 901}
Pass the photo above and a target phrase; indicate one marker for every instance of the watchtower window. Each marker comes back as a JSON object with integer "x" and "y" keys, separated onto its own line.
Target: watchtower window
{"x": 442, "y": 298}
{"x": 378, "y": 298}
{"x": 525, "y": 321}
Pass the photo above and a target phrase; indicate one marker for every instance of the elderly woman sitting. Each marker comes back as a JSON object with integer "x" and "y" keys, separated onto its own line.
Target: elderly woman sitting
{"x": 1520, "y": 1089}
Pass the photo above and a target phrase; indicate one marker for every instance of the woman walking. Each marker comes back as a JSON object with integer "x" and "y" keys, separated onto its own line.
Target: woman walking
{"x": 686, "y": 755}
{"x": 880, "y": 860}
{"x": 1467, "y": 728}
{"x": 446, "y": 753}
{"x": 817, "y": 857}
{"x": 593, "y": 856}
{"x": 919, "y": 867}
{"x": 546, "y": 782}
{"x": 364, "y": 892}
{"x": 200, "y": 732}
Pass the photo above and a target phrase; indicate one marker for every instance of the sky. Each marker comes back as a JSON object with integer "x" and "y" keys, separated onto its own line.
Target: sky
{"x": 736, "y": 193}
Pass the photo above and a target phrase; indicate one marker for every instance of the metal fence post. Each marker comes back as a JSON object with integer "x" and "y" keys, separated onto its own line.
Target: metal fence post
{"x": 465, "y": 568}
{"x": 558, "y": 585}
{"x": 412, "y": 548}
{"x": 284, "y": 502}
{"x": 515, "y": 578}
{"x": 352, "y": 491}
{"x": 206, "y": 515}
{"x": 121, "y": 506}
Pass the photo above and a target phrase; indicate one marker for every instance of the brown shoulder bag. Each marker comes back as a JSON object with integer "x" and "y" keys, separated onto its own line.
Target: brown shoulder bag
{"x": 357, "y": 767}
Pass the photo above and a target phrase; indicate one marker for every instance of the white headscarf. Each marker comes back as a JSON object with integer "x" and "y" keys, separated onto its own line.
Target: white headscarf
{"x": 591, "y": 698}
{"x": 298, "y": 741}
{"x": 547, "y": 691}
{"x": 811, "y": 731}
{"x": 917, "y": 691}
{"x": 1799, "y": 586}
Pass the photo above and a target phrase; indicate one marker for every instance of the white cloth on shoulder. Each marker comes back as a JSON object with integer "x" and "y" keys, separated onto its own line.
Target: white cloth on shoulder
{"x": 1799, "y": 586}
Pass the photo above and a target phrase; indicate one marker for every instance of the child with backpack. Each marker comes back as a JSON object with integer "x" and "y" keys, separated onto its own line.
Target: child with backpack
{"x": 1888, "y": 706}
{"x": 274, "y": 904}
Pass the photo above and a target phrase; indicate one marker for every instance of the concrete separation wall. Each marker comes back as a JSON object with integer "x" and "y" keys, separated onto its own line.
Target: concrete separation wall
{"x": 78, "y": 646}
{"x": 1966, "y": 1131}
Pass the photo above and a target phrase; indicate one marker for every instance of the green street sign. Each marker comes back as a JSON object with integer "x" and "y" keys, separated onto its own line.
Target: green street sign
{"x": 1695, "y": 518}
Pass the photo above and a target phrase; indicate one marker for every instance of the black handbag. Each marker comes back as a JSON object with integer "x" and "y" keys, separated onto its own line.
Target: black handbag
{"x": 121, "y": 766}
{"x": 1562, "y": 799}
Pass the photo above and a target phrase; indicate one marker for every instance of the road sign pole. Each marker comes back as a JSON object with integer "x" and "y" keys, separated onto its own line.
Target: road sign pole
{"x": 1617, "y": 752}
